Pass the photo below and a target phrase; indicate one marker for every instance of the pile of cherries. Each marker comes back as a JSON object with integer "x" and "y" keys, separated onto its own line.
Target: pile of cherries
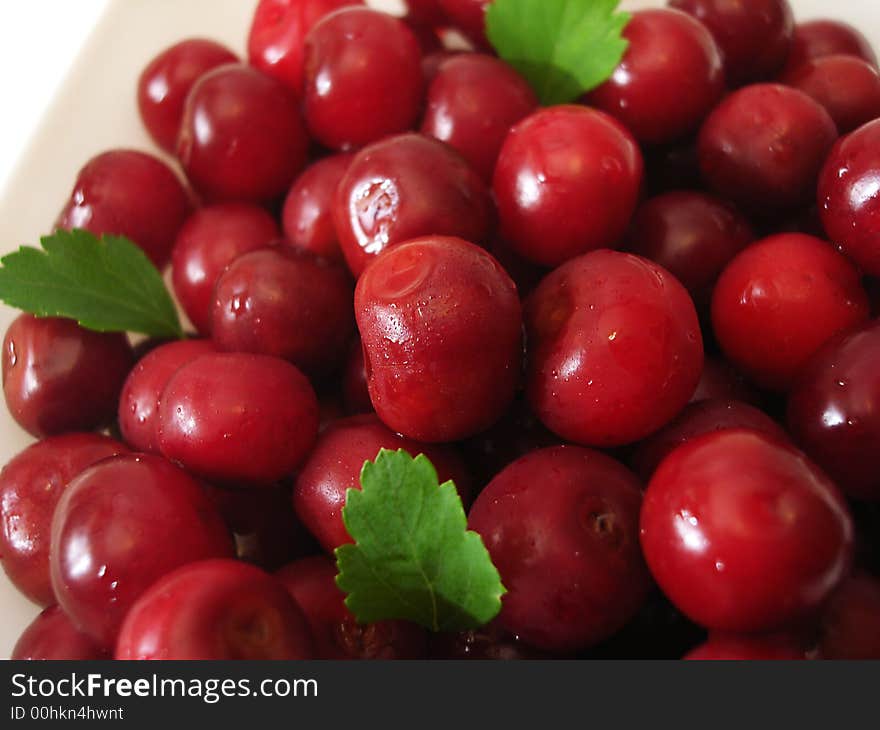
{"x": 636, "y": 331}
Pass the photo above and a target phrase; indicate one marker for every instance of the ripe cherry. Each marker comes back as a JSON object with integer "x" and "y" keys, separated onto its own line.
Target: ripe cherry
{"x": 52, "y": 636}
{"x": 817, "y": 38}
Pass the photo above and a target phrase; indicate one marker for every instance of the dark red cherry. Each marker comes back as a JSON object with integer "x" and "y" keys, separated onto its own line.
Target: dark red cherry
{"x": 741, "y": 647}
{"x": 721, "y": 381}
{"x": 52, "y": 636}
{"x": 850, "y": 626}
{"x": 356, "y": 392}
{"x": 817, "y": 38}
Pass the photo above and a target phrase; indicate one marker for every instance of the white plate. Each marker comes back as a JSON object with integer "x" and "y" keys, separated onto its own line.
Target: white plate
{"x": 95, "y": 110}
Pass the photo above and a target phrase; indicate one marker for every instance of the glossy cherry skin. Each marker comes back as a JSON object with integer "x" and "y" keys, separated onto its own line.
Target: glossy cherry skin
{"x": 215, "y": 609}
{"x": 129, "y": 193}
{"x": 263, "y": 525}
{"x": 139, "y": 401}
{"x": 52, "y": 636}
{"x": 307, "y": 217}
{"x": 743, "y": 533}
{"x": 779, "y": 301}
{"x": 764, "y": 146}
{"x": 242, "y": 136}
{"x": 363, "y": 78}
{"x": 615, "y": 350}
{"x": 211, "y": 239}
{"x": 355, "y": 391}
{"x": 848, "y": 88}
{"x": 473, "y": 101}
{"x": 735, "y": 647}
{"x": 441, "y": 327}
{"x": 276, "y": 40}
{"x": 285, "y": 303}
{"x": 646, "y": 91}
{"x": 566, "y": 546}
{"x": 721, "y": 381}
{"x": 59, "y": 377}
{"x": 164, "y": 84}
{"x": 849, "y": 196}
{"x": 553, "y": 166}
{"x": 755, "y": 37}
{"x": 469, "y": 16}
{"x": 692, "y": 235}
{"x": 699, "y": 418}
{"x": 817, "y": 38}
{"x": 30, "y": 486}
{"x": 119, "y": 526}
{"x": 238, "y": 418}
{"x": 834, "y": 411}
{"x": 311, "y": 582}
{"x": 405, "y": 187}
{"x": 334, "y": 466}
{"x": 850, "y": 627}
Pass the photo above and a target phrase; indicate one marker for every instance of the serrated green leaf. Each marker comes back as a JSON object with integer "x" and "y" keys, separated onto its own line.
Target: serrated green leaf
{"x": 564, "y": 48}
{"x": 413, "y": 557}
{"x": 106, "y": 284}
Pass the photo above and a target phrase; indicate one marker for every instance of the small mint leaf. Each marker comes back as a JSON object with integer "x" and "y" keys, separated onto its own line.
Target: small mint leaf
{"x": 564, "y": 48}
{"x": 106, "y": 284}
{"x": 414, "y": 558}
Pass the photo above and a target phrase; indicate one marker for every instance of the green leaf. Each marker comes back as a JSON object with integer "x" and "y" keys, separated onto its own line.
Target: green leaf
{"x": 106, "y": 284}
{"x": 413, "y": 556}
{"x": 564, "y": 48}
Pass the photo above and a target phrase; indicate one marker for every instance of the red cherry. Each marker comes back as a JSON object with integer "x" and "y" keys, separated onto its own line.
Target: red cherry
{"x": 132, "y": 194}
{"x": 52, "y": 636}
{"x": 237, "y": 418}
{"x": 645, "y": 92}
{"x": 553, "y": 166}
{"x": 469, "y": 16}
{"x": 311, "y": 582}
{"x": 211, "y": 239}
{"x": 733, "y": 647}
{"x": 723, "y": 529}
{"x": 817, "y": 38}
{"x": 242, "y": 137}
{"x": 615, "y": 350}
{"x": 119, "y": 526}
{"x": 405, "y": 187}
{"x": 850, "y": 626}
{"x": 780, "y": 300}
{"x": 215, "y": 609}
{"x": 334, "y": 466}
{"x": 566, "y": 546}
{"x": 30, "y": 486}
{"x": 165, "y": 82}
{"x": 59, "y": 377}
{"x": 441, "y": 327}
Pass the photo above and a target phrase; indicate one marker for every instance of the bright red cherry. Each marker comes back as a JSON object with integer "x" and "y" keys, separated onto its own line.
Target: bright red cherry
{"x": 52, "y": 636}
{"x": 215, "y": 609}
{"x": 59, "y": 377}
{"x": 441, "y": 327}
{"x": 849, "y": 196}
{"x": 242, "y": 137}
{"x": 405, "y": 187}
{"x": 139, "y": 402}
{"x": 334, "y": 466}
{"x": 848, "y": 88}
{"x": 692, "y": 235}
{"x": 276, "y": 40}
{"x": 763, "y": 148}
{"x": 473, "y": 101}
{"x": 646, "y": 93}
{"x": 554, "y": 166}
{"x": 755, "y": 37}
{"x": 129, "y": 193}
{"x": 119, "y": 526}
{"x": 737, "y": 647}
{"x": 238, "y": 418}
{"x": 850, "y": 627}
{"x": 285, "y": 303}
{"x": 566, "y": 546}
{"x": 363, "y": 78}
{"x": 165, "y": 82}
{"x": 30, "y": 486}
{"x": 615, "y": 350}
{"x": 744, "y": 534}
{"x": 311, "y": 582}
{"x": 834, "y": 411}
{"x": 817, "y": 38}
{"x": 307, "y": 217}
{"x": 211, "y": 239}
{"x": 469, "y": 16}
{"x": 780, "y": 300}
